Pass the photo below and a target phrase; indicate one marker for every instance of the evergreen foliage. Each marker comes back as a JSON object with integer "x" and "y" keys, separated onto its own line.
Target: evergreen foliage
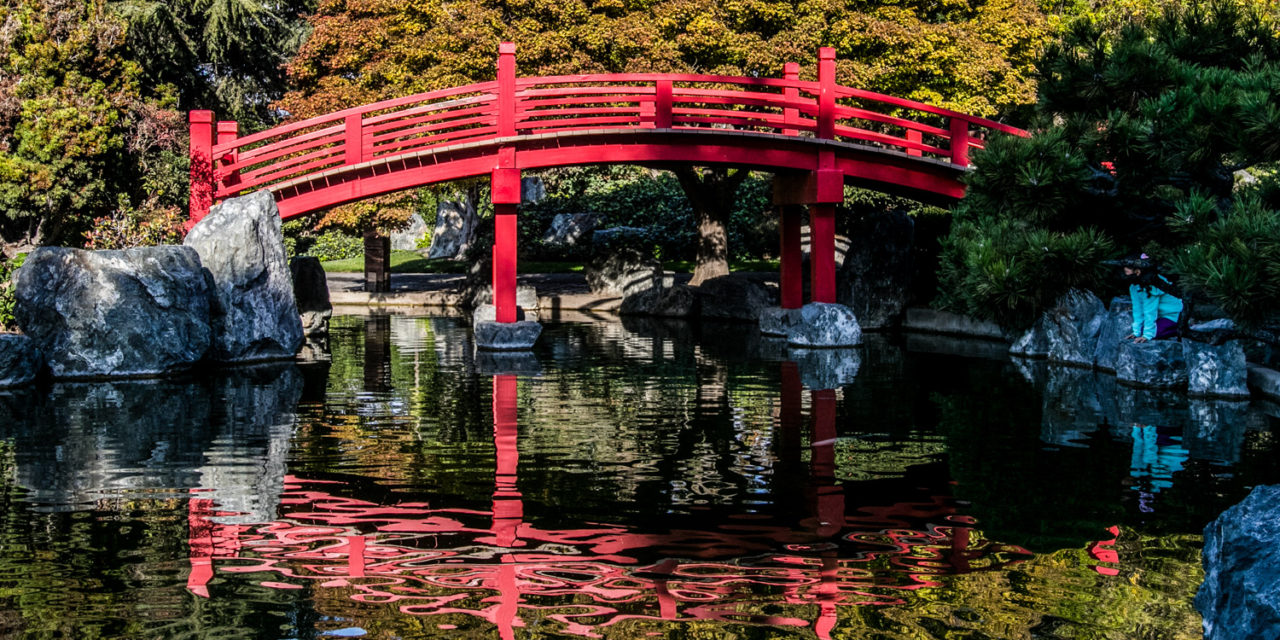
{"x": 225, "y": 55}
{"x": 1143, "y": 128}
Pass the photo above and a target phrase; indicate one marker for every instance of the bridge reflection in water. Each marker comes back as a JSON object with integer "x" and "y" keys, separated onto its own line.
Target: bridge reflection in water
{"x": 493, "y": 566}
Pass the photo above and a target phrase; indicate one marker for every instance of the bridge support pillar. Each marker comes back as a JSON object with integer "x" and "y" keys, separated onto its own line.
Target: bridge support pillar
{"x": 504, "y": 262}
{"x": 792, "y": 269}
{"x": 505, "y": 191}
{"x": 822, "y": 252}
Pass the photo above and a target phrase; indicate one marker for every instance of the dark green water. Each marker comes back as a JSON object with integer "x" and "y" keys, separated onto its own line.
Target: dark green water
{"x": 627, "y": 481}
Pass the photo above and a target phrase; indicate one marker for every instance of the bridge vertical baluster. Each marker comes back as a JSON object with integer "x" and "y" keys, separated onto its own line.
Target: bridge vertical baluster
{"x": 506, "y": 89}
{"x": 228, "y": 131}
{"x": 790, "y": 115}
{"x": 959, "y": 141}
{"x": 201, "y": 156}
{"x": 826, "y": 93}
{"x": 353, "y": 142}
{"x": 663, "y": 118}
{"x": 914, "y": 135}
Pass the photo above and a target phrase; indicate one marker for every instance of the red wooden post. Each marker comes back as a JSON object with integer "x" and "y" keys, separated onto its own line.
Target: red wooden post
{"x": 790, "y": 115}
{"x": 201, "y": 155}
{"x": 505, "y": 191}
{"x": 507, "y": 89}
{"x": 353, "y": 150}
{"x": 959, "y": 141}
{"x": 822, "y": 251}
{"x": 827, "y": 93}
{"x": 792, "y": 267}
{"x": 663, "y": 117}
{"x": 228, "y": 131}
{"x": 504, "y": 262}
{"x": 914, "y": 135}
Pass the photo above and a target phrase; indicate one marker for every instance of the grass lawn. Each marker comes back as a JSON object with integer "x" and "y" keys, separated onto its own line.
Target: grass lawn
{"x": 412, "y": 262}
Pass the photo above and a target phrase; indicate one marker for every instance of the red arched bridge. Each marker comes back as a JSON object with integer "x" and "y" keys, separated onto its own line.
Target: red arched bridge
{"x": 814, "y": 136}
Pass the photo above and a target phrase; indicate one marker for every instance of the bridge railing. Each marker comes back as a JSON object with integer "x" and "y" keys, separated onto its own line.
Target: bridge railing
{"x": 495, "y": 111}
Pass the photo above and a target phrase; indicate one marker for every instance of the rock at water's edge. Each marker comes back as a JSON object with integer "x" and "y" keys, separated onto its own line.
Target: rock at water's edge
{"x": 1158, "y": 364}
{"x": 254, "y": 316}
{"x": 506, "y": 336}
{"x": 1216, "y": 371}
{"x": 1240, "y": 596}
{"x": 311, "y": 294}
{"x": 822, "y": 324}
{"x": 20, "y": 361}
{"x": 733, "y": 298}
{"x": 776, "y": 321}
{"x": 137, "y": 312}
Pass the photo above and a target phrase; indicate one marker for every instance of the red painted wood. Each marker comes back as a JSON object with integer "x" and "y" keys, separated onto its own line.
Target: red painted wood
{"x": 914, "y": 136}
{"x": 822, "y": 252}
{"x": 504, "y": 261}
{"x": 351, "y": 143}
{"x": 827, "y": 95}
{"x": 584, "y": 119}
{"x": 507, "y": 89}
{"x": 791, "y": 94}
{"x": 960, "y": 141}
{"x": 200, "y": 152}
{"x": 662, "y": 98}
{"x": 791, "y": 273}
{"x": 228, "y": 131}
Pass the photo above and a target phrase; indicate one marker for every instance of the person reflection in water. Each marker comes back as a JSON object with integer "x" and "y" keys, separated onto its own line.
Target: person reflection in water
{"x": 1157, "y": 455}
{"x": 1155, "y": 310}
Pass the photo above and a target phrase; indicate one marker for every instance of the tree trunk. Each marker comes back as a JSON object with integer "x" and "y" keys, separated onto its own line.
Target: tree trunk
{"x": 712, "y": 194}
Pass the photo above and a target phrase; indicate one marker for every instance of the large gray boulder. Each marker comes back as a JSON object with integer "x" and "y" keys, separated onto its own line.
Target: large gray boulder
{"x": 822, "y": 324}
{"x": 733, "y": 298}
{"x": 408, "y": 238}
{"x": 526, "y": 297}
{"x": 776, "y": 321}
{"x": 624, "y": 271}
{"x": 254, "y": 316}
{"x": 456, "y": 222}
{"x": 1115, "y": 327}
{"x": 1240, "y": 596}
{"x": 874, "y": 279}
{"x": 1067, "y": 333}
{"x": 615, "y": 237}
{"x": 1034, "y": 342}
{"x": 570, "y": 229}
{"x": 1157, "y": 364}
{"x": 1216, "y": 371}
{"x": 506, "y": 336}
{"x": 311, "y": 293}
{"x": 677, "y": 301}
{"x": 20, "y": 360}
{"x": 137, "y": 312}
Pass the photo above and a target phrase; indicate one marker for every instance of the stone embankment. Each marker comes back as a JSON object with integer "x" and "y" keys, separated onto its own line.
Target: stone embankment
{"x": 1080, "y": 331}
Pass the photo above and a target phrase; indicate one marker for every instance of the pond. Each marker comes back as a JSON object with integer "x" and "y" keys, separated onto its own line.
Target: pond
{"x": 624, "y": 480}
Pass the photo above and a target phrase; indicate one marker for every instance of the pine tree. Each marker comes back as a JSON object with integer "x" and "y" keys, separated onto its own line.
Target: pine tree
{"x": 1155, "y": 134}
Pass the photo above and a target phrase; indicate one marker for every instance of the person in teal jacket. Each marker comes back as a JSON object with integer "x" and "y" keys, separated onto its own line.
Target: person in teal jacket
{"x": 1155, "y": 310}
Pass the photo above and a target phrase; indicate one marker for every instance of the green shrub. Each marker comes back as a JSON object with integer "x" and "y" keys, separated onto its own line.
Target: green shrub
{"x": 335, "y": 245}
{"x": 7, "y": 269}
